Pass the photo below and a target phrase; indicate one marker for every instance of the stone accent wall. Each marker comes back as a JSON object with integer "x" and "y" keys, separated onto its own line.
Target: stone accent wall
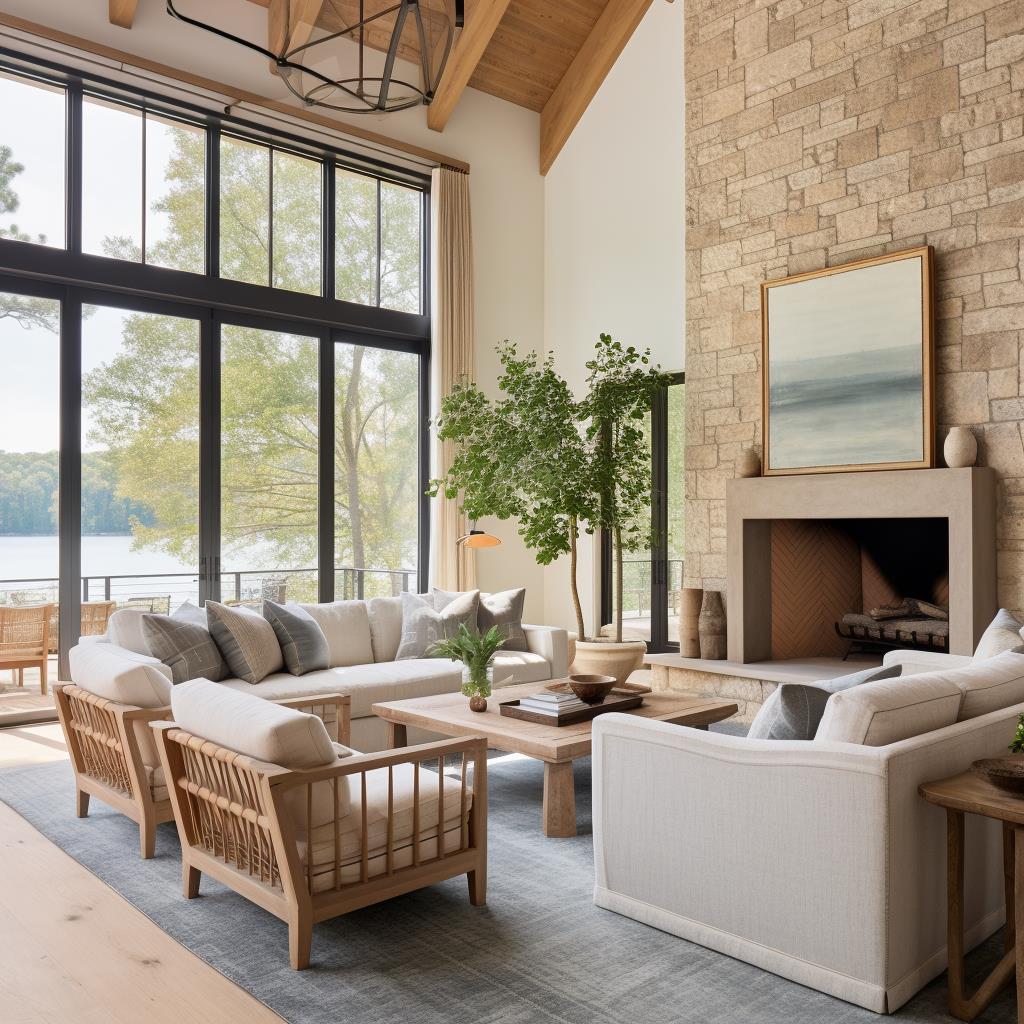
{"x": 823, "y": 131}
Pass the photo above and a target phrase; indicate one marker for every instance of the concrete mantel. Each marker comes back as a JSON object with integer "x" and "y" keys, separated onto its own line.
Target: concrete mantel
{"x": 966, "y": 497}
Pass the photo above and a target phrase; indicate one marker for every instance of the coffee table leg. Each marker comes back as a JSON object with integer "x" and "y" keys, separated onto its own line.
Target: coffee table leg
{"x": 396, "y": 735}
{"x": 955, "y": 911}
{"x": 559, "y": 800}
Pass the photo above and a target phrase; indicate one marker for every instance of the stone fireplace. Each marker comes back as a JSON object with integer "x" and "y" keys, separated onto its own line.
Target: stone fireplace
{"x": 805, "y": 550}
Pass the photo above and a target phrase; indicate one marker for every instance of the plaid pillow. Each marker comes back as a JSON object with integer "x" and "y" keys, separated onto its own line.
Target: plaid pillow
{"x": 185, "y": 648}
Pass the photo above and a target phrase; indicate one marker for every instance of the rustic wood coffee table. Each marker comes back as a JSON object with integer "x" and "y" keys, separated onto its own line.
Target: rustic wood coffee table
{"x": 556, "y": 746}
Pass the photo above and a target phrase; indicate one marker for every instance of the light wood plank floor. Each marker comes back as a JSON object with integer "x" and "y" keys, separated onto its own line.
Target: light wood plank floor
{"x": 74, "y": 951}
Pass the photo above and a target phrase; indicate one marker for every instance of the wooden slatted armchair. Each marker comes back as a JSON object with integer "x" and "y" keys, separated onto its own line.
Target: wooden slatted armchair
{"x": 25, "y": 640}
{"x": 114, "y": 757}
{"x": 311, "y": 843}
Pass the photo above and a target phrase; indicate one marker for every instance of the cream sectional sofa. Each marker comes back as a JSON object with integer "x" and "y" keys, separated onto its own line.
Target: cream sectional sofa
{"x": 816, "y": 860}
{"x": 363, "y": 638}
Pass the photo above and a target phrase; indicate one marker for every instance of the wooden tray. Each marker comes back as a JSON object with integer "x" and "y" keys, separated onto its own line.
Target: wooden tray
{"x": 615, "y": 701}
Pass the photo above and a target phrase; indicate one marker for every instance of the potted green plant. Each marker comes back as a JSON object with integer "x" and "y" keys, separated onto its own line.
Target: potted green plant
{"x": 523, "y": 457}
{"x": 476, "y": 652}
{"x": 560, "y": 467}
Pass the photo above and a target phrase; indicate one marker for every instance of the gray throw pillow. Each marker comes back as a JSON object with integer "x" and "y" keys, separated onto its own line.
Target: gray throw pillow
{"x": 794, "y": 710}
{"x": 247, "y": 641}
{"x": 186, "y": 649}
{"x": 504, "y": 610}
{"x": 303, "y": 644}
{"x": 1003, "y": 633}
{"x": 423, "y": 625}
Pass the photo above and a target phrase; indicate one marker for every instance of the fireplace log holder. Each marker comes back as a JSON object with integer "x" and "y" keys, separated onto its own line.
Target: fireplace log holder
{"x": 874, "y": 639}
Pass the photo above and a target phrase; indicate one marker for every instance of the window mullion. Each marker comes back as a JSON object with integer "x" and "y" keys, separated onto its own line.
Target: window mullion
{"x": 74, "y": 168}
{"x": 213, "y": 201}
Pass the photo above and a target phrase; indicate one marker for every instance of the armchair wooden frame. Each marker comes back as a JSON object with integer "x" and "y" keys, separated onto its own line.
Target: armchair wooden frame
{"x": 103, "y": 741}
{"x": 237, "y": 824}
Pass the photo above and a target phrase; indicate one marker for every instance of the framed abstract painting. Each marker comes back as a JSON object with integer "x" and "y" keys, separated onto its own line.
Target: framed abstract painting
{"x": 848, "y": 364}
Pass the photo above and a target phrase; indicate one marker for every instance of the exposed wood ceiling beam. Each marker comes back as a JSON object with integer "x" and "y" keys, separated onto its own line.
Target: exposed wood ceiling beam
{"x": 482, "y": 19}
{"x": 290, "y": 23}
{"x": 122, "y": 12}
{"x": 588, "y": 70}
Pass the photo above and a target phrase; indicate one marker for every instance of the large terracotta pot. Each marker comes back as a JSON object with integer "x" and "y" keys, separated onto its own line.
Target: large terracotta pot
{"x": 607, "y": 658}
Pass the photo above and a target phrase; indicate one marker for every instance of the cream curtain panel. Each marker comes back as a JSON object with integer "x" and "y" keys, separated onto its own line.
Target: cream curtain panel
{"x": 452, "y": 567}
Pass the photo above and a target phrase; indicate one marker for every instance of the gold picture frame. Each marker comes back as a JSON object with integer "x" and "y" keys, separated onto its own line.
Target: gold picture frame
{"x": 882, "y": 374}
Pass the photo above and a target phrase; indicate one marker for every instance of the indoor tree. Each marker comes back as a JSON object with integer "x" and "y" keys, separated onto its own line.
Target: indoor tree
{"x": 620, "y": 389}
{"x": 521, "y": 457}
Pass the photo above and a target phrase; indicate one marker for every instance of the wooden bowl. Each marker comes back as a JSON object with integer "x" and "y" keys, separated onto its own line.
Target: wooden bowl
{"x": 1005, "y": 772}
{"x": 591, "y": 689}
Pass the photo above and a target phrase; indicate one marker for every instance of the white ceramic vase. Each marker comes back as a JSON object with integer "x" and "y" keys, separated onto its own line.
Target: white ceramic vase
{"x": 961, "y": 448}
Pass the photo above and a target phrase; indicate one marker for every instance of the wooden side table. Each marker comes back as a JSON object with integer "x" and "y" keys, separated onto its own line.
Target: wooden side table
{"x": 972, "y": 794}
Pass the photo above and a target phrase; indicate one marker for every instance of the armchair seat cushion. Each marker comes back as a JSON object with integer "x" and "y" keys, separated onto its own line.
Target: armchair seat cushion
{"x": 393, "y": 680}
{"x": 349, "y": 843}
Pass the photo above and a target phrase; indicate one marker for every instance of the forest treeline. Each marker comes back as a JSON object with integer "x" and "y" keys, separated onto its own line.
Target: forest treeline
{"x": 29, "y": 493}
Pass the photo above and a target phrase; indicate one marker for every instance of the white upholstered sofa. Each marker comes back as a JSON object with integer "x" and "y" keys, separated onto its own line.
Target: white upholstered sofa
{"x": 363, "y": 639}
{"x": 816, "y": 860}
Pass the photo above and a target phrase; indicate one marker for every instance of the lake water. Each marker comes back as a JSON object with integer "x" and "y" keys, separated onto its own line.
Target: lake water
{"x": 35, "y": 559}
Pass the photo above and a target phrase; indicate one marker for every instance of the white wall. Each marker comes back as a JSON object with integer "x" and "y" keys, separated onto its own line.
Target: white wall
{"x": 498, "y": 140}
{"x": 613, "y": 234}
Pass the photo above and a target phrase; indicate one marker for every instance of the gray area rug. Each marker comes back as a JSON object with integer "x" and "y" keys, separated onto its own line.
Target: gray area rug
{"x": 540, "y": 951}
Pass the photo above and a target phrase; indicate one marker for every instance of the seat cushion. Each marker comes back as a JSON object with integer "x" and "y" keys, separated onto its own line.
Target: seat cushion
{"x": 385, "y": 626}
{"x": 876, "y": 714}
{"x": 347, "y": 848}
{"x": 303, "y": 644}
{"x": 1003, "y": 633}
{"x": 251, "y": 725}
{"x": 423, "y": 625}
{"x": 367, "y": 684}
{"x": 990, "y": 685}
{"x": 794, "y": 710}
{"x": 247, "y": 641}
{"x": 512, "y": 667}
{"x": 346, "y": 625}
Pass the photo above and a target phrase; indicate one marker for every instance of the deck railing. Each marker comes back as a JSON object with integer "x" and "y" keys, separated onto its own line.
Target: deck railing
{"x": 166, "y": 590}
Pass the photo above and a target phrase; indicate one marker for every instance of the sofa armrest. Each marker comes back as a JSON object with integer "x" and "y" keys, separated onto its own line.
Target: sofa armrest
{"x": 916, "y": 662}
{"x": 552, "y": 644}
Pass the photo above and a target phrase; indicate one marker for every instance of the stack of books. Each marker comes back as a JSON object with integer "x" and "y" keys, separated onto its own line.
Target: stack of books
{"x": 554, "y": 704}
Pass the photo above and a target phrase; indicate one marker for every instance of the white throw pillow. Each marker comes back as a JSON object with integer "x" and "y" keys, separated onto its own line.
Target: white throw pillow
{"x": 876, "y": 714}
{"x": 385, "y": 626}
{"x": 346, "y": 625}
{"x": 1003, "y": 633}
{"x": 990, "y": 684}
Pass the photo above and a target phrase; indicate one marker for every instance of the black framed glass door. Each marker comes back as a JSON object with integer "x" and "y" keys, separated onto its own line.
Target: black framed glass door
{"x": 652, "y": 580}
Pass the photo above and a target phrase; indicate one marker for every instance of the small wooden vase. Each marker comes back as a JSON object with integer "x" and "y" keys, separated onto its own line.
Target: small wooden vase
{"x": 712, "y": 626}
{"x": 477, "y": 703}
{"x": 689, "y": 621}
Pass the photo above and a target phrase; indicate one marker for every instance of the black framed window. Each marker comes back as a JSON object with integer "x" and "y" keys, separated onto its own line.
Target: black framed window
{"x": 212, "y": 334}
{"x": 652, "y": 580}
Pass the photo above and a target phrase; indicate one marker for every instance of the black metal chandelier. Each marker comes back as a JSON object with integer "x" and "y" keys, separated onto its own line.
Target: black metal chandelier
{"x": 422, "y": 27}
